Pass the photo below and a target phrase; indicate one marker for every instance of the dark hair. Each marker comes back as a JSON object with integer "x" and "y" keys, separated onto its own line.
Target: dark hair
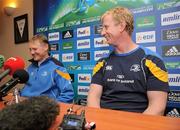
{"x": 36, "y": 113}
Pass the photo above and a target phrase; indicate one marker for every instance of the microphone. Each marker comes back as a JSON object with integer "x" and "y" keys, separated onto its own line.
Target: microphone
{"x": 1, "y": 61}
{"x": 11, "y": 65}
{"x": 19, "y": 76}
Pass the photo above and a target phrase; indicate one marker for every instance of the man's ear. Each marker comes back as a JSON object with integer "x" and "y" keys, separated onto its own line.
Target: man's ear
{"x": 122, "y": 26}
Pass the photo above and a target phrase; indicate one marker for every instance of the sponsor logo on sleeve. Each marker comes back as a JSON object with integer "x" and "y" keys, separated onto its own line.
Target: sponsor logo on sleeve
{"x": 82, "y": 44}
{"x": 100, "y": 54}
{"x": 83, "y": 90}
{"x": 171, "y": 51}
{"x": 84, "y": 31}
{"x": 174, "y": 79}
{"x": 84, "y": 78}
{"x": 170, "y": 18}
{"x": 171, "y": 34}
{"x": 68, "y": 57}
{"x": 145, "y": 37}
{"x": 53, "y": 36}
{"x": 67, "y": 34}
{"x": 100, "y": 42}
{"x": 83, "y": 56}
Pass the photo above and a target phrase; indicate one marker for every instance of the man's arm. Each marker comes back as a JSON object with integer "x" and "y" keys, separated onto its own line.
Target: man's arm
{"x": 157, "y": 102}
{"x": 94, "y": 95}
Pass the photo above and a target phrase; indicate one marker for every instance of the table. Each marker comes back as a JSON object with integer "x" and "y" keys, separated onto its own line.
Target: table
{"x": 106, "y": 119}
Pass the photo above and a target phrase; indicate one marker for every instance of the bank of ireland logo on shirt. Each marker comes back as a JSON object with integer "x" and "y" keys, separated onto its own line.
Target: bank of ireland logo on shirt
{"x": 135, "y": 68}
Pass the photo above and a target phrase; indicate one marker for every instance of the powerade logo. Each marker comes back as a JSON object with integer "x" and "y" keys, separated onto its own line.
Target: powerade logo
{"x": 100, "y": 54}
{"x": 84, "y": 78}
{"x": 171, "y": 51}
{"x": 67, "y": 34}
{"x": 97, "y": 29}
{"x": 174, "y": 79}
{"x": 145, "y": 37}
{"x": 170, "y": 18}
{"x": 67, "y": 45}
{"x": 83, "y": 56}
{"x": 82, "y": 44}
{"x": 172, "y": 65}
{"x": 169, "y": 4}
{"x": 73, "y": 67}
{"x": 148, "y": 21}
{"x": 54, "y": 47}
{"x": 142, "y": 9}
{"x": 68, "y": 57}
{"x": 174, "y": 96}
{"x": 82, "y": 32}
{"x": 100, "y": 42}
{"x": 83, "y": 90}
{"x": 171, "y": 34}
{"x": 53, "y": 36}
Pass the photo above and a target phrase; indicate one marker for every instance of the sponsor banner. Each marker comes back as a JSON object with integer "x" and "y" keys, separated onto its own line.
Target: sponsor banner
{"x": 169, "y": 4}
{"x": 84, "y": 78}
{"x": 142, "y": 9}
{"x": 170, "y": 18}
{"x": 100, "y": 42}
{"x": 152, "y": 48}
{"x": 145, "y": 37}
{"x": 67, "y": 45}
{"x": 172, "y": 112}
{"x": 68, "y": 57}
{"x": 97, "y": 29}
{"x": 172, "y": 65}
{"x": 73, "y": 67}
{"x": 83, "y": 56}
{"x": 148, "y": 21}
{"x": 88, "y": 67}
{"x": 171, "y": 34}
{"x": 72, "y": 78}
{"x": 174, "y": 96}
{"x": 171, "y": 51}
{"x": 67, "y": 34}
{"x": 56, "y": 26}
{"x": 72, "y": 23}
{"x": 82, "y": 44}
{"x": 42, "y": 29}
{"x": 56, "y": 56}
{"x": 100, "y": 54}
{"x": 174, "y": 79}
{"x": 53, "y": 36}
{"x": 54, "y": 47}
{"x": 91, "y": 19}
{"x": 84, "y": 31}
{"x": 83, "y": 90}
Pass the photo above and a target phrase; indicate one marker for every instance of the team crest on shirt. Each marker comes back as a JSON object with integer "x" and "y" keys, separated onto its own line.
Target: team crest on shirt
{"x": 135, "y": 68}
{"x": 109, "y": 67}
{"x": 45, "y": 73}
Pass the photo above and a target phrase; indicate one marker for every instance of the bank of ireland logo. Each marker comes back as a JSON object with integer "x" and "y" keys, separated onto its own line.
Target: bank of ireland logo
{"x": 135, "y": 68}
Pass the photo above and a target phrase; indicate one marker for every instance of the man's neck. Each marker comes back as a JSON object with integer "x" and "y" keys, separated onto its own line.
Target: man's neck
{"x": 39, "y": 62}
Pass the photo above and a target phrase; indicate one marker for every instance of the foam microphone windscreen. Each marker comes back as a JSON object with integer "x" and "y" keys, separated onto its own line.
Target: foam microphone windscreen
{"x": 14, "y": 63}
{"x": 22, "y": 75}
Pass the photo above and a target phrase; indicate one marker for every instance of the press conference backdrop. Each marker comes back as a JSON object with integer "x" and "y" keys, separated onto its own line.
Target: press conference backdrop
{"x": 73, "y": 30}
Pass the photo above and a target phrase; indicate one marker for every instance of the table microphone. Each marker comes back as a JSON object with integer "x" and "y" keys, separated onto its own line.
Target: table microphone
{"x": 19, "y": 76}
{"x": 11, "y": 65}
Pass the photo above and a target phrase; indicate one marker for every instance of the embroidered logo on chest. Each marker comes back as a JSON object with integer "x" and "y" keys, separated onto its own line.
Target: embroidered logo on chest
{"x": 135, "y": 68}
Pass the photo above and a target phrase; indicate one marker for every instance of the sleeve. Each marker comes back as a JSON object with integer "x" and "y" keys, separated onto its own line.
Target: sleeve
{"x": 97, "y": 77}
{"x": 157, "y": 76}
{"x": 63, "y": 81}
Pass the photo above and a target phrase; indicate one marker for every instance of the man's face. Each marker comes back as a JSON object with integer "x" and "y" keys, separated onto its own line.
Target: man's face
{"x": 38, "y": 50}
{"x": 110, "y": 29}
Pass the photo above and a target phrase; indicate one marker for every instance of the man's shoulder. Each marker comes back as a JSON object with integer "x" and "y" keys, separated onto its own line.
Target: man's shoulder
{"x": 56, "y": 62}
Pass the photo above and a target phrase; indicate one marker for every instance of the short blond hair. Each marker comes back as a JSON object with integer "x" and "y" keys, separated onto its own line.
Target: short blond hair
{"x": 41, "y": 37}
{"x": 121, "y": 14}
